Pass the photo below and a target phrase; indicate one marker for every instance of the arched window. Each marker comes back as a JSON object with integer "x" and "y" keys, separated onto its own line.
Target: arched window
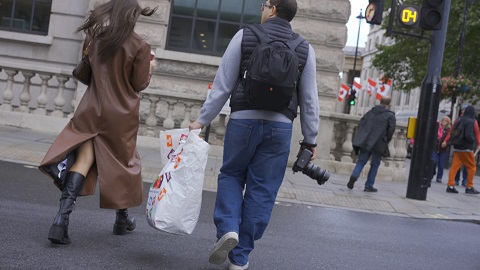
{"x": 207, "y": 26}
{"x": 27, "y": 16}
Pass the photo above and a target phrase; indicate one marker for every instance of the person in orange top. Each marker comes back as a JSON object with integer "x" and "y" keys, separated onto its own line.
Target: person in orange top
{"x": 464, "y": 150}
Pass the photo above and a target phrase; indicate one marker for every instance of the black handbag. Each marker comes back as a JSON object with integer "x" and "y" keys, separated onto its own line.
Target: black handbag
{"x": 83, "y": 71}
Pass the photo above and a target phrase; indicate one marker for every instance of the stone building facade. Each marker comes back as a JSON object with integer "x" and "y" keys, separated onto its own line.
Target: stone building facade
{"x": 321, "y": 22}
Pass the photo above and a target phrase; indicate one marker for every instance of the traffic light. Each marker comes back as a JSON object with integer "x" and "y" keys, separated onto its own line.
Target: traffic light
{"x": 351, "y": 98}
{"x": 374, "y": 12}
{"x": 431, "y": 14}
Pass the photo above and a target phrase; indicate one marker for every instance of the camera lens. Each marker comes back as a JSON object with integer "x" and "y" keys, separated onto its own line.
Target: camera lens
{"x": 316, "y": 173}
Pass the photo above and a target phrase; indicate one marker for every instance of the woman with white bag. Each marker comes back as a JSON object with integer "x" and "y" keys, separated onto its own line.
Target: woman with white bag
{"x": 99, "y": 142}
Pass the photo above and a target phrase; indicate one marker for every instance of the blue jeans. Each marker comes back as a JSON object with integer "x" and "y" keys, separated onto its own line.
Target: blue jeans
{"x": 439, "y": 162}
{"x": 363, "y": 158}
{"x": 255, "y": 157}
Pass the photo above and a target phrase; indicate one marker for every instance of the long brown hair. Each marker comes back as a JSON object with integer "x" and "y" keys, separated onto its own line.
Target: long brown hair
{"x": 112, "y": 23}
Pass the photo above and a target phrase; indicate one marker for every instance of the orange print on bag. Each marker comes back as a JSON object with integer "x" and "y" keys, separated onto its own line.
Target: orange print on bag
{"x": 169, "y": 141}
{"x": 158, "y": 183}
{"x": 177, "y": 162}
{"x": 162, "y": 194}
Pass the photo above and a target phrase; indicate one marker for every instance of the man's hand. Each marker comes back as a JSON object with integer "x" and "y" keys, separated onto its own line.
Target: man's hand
{"x": 195, "y": 125}
{"x": 312, "y": 149}
{"x": 444, "y": 144}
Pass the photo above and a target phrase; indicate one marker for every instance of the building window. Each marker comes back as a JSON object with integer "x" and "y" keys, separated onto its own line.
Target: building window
{"x": 27, "y": 16}
{"x": 207, "y": 26}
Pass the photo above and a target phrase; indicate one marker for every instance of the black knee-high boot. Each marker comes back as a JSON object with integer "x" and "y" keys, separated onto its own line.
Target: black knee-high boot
{"x": 59, "y": 231}
{"x": 123, "y": 222}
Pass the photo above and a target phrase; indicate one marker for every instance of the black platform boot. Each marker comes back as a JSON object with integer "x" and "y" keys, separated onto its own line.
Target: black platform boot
{"x": 58, "y": 171}
{"x": 123, "y": 222}
{"x": 59, "y": 231}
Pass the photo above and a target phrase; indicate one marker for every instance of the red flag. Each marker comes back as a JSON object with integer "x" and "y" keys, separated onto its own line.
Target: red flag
{"x": 371, "y": 86}
{"x": 384, "y": 89}
{"x": 357, "y": 87}
{"x": 343, "y": 92}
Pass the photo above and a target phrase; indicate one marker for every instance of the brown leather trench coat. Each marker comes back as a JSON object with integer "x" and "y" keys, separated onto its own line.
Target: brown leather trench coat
{"x": 108, "y": 114}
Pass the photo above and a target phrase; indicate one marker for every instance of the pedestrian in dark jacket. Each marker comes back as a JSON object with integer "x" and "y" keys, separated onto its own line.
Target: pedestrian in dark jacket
{"x": 374, "y": 132}
{"x": 463, "y": 151}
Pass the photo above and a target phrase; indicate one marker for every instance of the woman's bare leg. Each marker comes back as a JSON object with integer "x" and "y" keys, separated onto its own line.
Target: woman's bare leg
{"x": 85, "y": 158}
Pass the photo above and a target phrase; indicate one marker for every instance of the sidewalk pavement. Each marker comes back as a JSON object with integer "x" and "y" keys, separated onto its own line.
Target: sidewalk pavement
{"x": 28, "y": 147}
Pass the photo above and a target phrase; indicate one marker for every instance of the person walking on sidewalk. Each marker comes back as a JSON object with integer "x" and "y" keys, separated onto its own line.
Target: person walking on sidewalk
{"x": 463, "y": 169}
{"x": 465, "y": 141}
{"x": 257, "y": 141}
{"x": 99, "y": 142}
{"x": 373, "y": 134}
{"x": 439, "y": 154}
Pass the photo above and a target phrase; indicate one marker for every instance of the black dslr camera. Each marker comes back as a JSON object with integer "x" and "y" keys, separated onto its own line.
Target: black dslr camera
{"x": 304, "y": 165}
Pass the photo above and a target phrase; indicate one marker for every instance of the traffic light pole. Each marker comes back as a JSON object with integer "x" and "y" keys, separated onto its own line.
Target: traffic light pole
{"x": 421, "y": 170}
{"x": 360, "y": 17}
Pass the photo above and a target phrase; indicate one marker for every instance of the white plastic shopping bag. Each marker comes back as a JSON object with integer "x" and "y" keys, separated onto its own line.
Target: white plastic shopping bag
{"x": 175, "y": 198}
{"x": 169, "y": 140}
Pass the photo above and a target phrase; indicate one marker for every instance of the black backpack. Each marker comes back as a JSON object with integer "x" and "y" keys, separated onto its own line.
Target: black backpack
{"x": 458, "y": 131}
{"x": 272, "y": 72}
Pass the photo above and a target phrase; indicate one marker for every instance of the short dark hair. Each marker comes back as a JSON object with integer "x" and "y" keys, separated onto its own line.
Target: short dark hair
{"x": 385, "y": 101}
{"x": 286, "y": 9}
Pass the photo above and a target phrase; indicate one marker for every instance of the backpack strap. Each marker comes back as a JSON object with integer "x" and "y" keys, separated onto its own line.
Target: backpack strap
{"x": 259, "y": 32}
{"x": 262, "y": 35}
{"x": 295, "y": 41}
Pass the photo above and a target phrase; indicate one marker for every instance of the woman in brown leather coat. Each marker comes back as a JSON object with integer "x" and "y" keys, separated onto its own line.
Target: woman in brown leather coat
{"x": 99, "y": 142}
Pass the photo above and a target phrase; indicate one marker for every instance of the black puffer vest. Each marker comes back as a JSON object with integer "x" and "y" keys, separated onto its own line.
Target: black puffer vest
{"x": 276, "y": 28}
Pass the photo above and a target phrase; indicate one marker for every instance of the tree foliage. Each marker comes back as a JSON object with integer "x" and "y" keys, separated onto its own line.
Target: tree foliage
{"x": 406, "y": 60}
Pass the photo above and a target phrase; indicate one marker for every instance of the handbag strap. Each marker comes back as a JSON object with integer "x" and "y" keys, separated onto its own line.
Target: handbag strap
{"x": 87, "y": 49}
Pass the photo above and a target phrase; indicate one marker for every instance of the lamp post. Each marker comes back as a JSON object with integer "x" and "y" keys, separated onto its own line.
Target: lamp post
{"x": 360, "y": 17}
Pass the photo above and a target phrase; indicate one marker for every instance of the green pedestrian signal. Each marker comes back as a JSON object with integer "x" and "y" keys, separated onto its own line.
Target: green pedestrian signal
{"x": 351, "y": 97}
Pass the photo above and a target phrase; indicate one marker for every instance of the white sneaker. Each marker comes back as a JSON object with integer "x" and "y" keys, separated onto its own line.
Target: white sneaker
{"x": 222, "y": 247}
{"x": 232, "y": 266}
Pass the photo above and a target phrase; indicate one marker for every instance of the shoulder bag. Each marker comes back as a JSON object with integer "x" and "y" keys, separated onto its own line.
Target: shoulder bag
{"x": 83, "y": 71}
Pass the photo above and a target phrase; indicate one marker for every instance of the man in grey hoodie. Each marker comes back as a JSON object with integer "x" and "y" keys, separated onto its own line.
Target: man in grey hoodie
{"x": 257, "y": 142}
{"x": 373, "y": 134}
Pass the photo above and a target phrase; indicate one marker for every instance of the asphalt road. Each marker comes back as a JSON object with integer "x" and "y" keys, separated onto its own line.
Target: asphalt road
{"x": 298, "y": 237}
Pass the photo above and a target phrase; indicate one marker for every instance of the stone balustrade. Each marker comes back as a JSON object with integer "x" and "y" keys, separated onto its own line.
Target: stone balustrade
{"x": 34, "y": 98}
{"x": 41, "y": 92}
